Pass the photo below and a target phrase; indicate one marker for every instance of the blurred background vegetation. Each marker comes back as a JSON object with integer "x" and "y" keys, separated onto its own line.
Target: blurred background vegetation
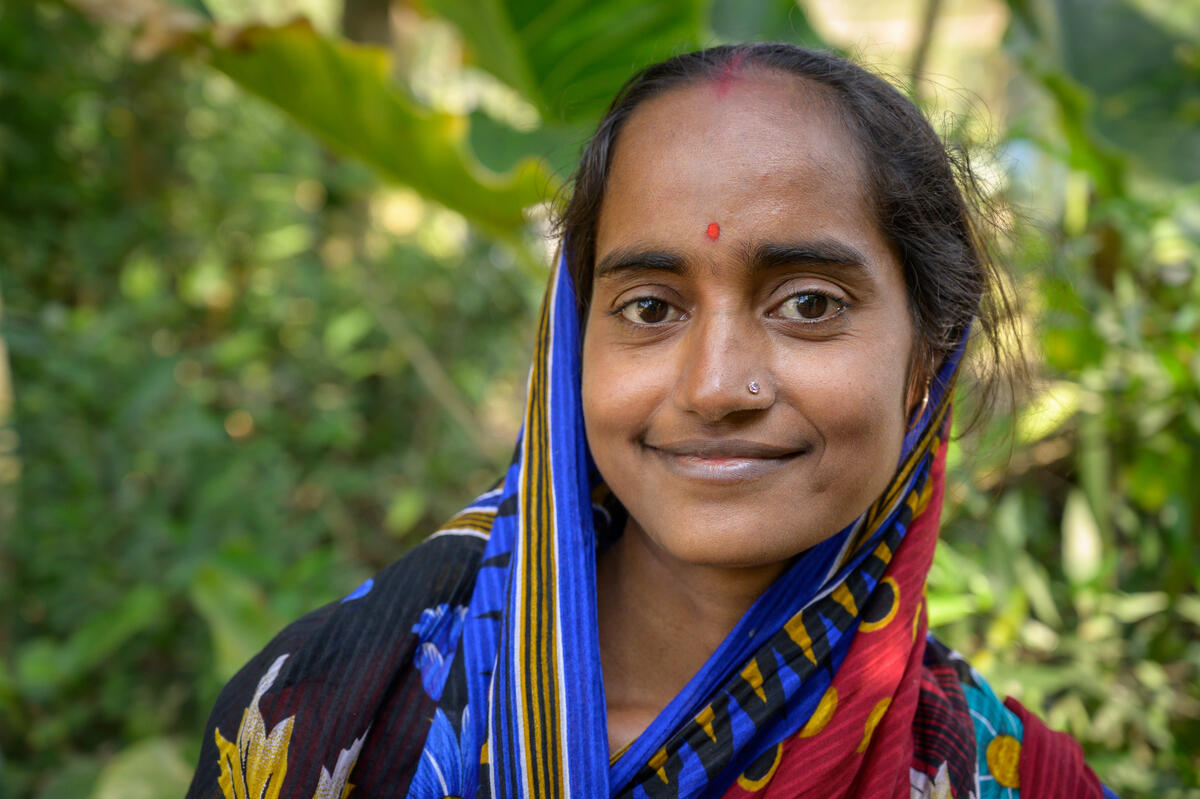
{"x": 268, "y": 271}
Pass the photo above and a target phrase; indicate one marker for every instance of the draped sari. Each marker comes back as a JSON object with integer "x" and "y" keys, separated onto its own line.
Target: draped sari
{"x": 471, "y": 667}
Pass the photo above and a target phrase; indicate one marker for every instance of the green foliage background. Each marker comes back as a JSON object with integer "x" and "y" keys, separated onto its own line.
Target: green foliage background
{"x": 267, "y": 297}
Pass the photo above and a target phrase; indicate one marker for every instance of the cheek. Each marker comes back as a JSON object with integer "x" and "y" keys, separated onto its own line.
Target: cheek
{"x": 606, "y": 397}
{"x": 855, "y": 399}
{"x": 620, "y": 385}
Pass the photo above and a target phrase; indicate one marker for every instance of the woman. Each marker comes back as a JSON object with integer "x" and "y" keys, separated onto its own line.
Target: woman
{"x": 702, "y": 574}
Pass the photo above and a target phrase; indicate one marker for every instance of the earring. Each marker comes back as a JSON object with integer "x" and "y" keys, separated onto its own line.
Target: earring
{"x": 920, "y": 410}
{"x": 753, "y": 387}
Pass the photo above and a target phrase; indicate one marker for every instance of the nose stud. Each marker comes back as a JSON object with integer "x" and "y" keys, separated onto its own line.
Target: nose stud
{"x": 753, "y": 387}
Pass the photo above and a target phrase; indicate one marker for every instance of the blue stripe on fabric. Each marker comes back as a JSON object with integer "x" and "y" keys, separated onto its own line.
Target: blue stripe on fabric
{"x": 481, "y": 636}
{"x": 584, "y": 718}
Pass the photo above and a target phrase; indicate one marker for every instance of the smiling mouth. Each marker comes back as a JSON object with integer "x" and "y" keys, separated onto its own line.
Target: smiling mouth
{"x": 723, "y": 461}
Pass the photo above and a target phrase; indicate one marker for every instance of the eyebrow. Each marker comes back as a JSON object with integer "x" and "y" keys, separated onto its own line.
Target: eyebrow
{"x": 762, "y": 257}
{"x": 822, "y": 252}
{"x": 631, "y": 259}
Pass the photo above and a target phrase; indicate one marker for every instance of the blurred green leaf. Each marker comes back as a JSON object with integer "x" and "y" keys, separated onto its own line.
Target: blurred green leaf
{"x": 345, "y": 330}
{"x": 237, "y": 614}
{"x": 1048, "y": 412}
{"x": 344, "y": 93}
{"x": 1148, "y": 105}
{"x": 40, "y": 667}
{"x": 764, "y": 20}
{"x": 1131, "y": 608}
{"x": 407, "y": 507}
{"x": 44, "y": 664}
{"x": 945, "y": 609}
{"x": 76, "y": 778}
{"x": 569, "y": 57}
{"x": 150, "y": 769}
{"x": 1082, "y": 550}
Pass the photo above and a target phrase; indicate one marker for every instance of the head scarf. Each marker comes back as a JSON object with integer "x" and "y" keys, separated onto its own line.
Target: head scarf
{"x": 471, "y": 667}
{"x": 535, "y": 722}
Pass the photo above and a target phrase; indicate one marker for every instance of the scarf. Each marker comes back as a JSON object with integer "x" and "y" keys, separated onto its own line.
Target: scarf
{"x": 471, "y": 667}
{"x": 535, "y": 691}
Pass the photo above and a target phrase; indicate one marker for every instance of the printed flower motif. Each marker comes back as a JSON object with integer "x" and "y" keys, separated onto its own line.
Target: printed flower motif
{"x": 922, "y": 786}
{"x": 337, "y": 785}
{"x": 255, "y": 766}
{"x": 443, "y": 768}
{"x": 438, "y": 631}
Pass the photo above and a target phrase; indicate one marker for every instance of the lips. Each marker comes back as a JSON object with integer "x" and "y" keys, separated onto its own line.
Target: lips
{"x": 723, "y": 461}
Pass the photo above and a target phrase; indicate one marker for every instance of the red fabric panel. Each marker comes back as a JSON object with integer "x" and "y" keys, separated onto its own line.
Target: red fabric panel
{"x": 1052, "y": 764}
{"x": 843, "y": 760}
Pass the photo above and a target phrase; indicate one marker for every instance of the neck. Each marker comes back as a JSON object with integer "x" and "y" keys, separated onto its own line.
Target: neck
{"x": 660, "y": 620}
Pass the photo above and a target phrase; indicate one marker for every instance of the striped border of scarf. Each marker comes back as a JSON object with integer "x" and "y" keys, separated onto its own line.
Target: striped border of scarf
{"x": 530, "y": 640}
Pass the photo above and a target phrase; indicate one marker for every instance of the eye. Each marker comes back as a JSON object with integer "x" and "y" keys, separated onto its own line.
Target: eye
{"x": 649, "y": 311}
{"x": 810, "y": 307}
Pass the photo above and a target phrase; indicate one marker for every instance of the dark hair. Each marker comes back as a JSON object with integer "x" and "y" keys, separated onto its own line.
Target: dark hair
{"x": 913, "y": 182}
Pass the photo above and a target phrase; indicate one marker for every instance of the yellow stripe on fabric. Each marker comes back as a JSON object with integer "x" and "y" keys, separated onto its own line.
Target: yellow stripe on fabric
{"x": 754, "y": 678}
{"x": 657, "y": 762}
{"x": 705, "y": 719}
{"x": 891, "y": 495}
{"x": 615, "y": 756}
{"x": 843, "y": 597}
{"x": 482, "y": 518}
{"x": 538, "y": 600}
{"x": 797, "y": 632}
{"x": 479, "y": 526}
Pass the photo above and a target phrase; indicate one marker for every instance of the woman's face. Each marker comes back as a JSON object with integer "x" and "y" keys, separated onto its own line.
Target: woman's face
{"x": 736, "y": 249}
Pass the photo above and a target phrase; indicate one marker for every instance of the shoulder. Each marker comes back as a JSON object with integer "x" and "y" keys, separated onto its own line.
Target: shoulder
{"x": 1015, "y": 755}
{"x": 340, "y": 675}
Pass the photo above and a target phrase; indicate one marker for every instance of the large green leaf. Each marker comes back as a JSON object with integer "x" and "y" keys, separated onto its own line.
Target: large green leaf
{"x": 344, "y": 93}
{"x": 764, "y": 20}
{"x": 150, "y": 769}
{"x": 1127, "y": 84}
{"x": 570, "y": 56}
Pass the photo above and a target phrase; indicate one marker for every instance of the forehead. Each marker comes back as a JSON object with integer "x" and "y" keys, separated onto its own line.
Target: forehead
{"x": 759, "y": 148}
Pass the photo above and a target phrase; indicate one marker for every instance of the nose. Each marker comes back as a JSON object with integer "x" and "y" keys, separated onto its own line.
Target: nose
{"x": 723, "y": 369}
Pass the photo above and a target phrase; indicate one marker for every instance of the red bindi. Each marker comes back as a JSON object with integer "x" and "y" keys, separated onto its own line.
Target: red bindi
{"x": 714, "y": 230}
{"x": 728, "y": 74}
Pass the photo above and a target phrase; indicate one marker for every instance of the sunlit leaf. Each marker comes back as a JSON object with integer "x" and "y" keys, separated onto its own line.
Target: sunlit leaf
{"x": 344, "y": 93}
{"x": 150, "y": 769}
{"x": 1048, "y": 412}
{"x": 406, "y": 508}
{"x": 948, "y": 608}
{"x": 1131, "y": 608}
{"x": 1081, "y": 547}
{"x": 346, "y": 330}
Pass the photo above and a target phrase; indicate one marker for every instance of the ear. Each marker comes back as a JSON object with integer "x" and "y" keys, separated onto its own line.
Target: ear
{"x": 920, "y": 378}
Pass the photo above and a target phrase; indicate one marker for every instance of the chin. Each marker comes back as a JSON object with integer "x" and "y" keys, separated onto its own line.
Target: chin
{"x": 729, "y": 542}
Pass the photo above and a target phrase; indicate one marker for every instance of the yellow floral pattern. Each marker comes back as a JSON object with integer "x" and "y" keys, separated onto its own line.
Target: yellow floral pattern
{"x": 254, "y": 766}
